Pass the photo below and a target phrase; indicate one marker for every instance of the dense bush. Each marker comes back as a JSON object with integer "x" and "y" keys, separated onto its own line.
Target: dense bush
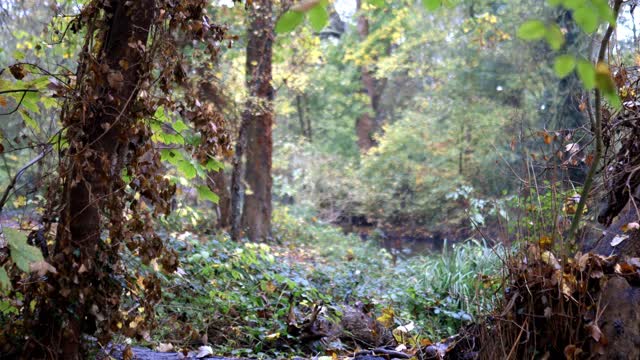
{"x": 419, "y": 175}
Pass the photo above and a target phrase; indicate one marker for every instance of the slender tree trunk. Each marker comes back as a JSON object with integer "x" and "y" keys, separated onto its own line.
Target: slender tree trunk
{"x": 309, "y": 126}
{"x": 236, "y": 182}
{"x": 369, "y": 123}
{"x": 301, "y": 120}
{"x": 97, "y": 135}
{"x": 256, "y": 214}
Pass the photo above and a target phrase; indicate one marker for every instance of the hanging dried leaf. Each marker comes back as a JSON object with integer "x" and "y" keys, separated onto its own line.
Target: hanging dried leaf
{"x": 18, "y": 71}
{"x": 115, "y": 80}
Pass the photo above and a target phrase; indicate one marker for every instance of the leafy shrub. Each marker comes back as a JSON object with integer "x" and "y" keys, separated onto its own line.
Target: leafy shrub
{"x": 455, "y": 287}
{"x": 421, "y": 173}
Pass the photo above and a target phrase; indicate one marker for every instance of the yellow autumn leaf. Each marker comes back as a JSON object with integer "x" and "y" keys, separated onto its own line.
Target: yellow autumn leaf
{"x": 545, "y": 241}
{"x": 273, "y": 336}
{"x": 20, "y": 201}
{"x": 386, "y": 319}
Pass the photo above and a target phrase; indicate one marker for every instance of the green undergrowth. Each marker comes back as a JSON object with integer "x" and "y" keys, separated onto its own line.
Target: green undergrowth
{"x": 248, "y": 299}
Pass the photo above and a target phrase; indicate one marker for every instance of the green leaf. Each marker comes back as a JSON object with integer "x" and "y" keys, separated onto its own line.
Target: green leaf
{"x": 173, "y": 157}
{"x": 604, "y": 82}
{"x": 586, "y": 18}
{"x": 18, "y": 55}
{"x": 186, "y": 169}
{"x": 532, "y": 30}
{"x": 161, "y": 115}
{"x": 607, "y": 86}
{"x": 29, "y": 121}
{"x": 554, "y": 36}
{"x": 431, "y": 5}
{"x": 289, "y": 21}
{"x": 30, "y": 101}
{"x": 573, "y": 4}
{"x": 214, "y": 165}
{"x": 604, "y": 11}
{"x": 5, "y": 283}
{"x": 40, "y": 83}
{"x": 49, "y": 102}
{"x": 180, "y": 126}
{"x": 205, "y": 193}
{"x": 377, "y": 3}
{"x": 125, "y": 176}
{"x": 22, "y": 253}
{"x": 587, "y": 73}
{"x": 613, "y": 99}
{"x": 7, "y": 308}
{"x": 564, "y": 65}
{"x": 318, "y": 17}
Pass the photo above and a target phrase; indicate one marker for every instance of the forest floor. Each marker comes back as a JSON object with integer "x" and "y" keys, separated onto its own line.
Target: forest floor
{"x": 314, "y": 292}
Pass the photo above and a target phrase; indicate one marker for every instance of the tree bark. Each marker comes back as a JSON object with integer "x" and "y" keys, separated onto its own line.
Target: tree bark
{"x": 236, "y": 182}
{"x": 218, "y": 184}
{"x": 369, "y": 123}
{"x": 258, "y": 116}
{"x": 217, "y": 181}
{"x": 98, "y": 136}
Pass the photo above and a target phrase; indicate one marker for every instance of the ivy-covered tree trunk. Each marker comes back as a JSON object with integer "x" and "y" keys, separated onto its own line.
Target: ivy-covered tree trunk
{"x": 216, "y": 180}
{"x": 98, "y": 130}
{"x": 256, "y": 213}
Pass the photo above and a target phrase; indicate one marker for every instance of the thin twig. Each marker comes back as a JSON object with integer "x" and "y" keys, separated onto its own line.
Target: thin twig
{"x": 15, "y": 179}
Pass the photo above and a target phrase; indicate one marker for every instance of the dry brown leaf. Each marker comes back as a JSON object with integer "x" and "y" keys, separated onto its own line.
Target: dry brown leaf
{"x": 582, "y": 260}
{"x": 115, "y": 80}
{"x": 42, "y": 267}
{"x": 624, "y": 269}
{"x": 550, "y": 259}
{"x": 18, "y": 71}
{"x": 572, "y": 148}
{"x": 82, "y": 269}
{"x": 571, "y": 352}
{"x": 594, "y": 331}
{"x": 569, "y": 284}
{"x": 548, "y": 137}
{"x": 127, "y": 354}
{"x": 305, "y": 5}
{"x": 589, "y": 159}
{"x": 630, "y": 226}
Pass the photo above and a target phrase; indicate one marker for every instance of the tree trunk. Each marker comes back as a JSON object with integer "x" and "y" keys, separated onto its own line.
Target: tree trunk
{"x": 300, "y": 110}
{"x": 218, "y": 184}
{"x": 256, "y": 213}
{"x": 369, "y": 123}
{"x": 216, "y": 180}
{"x": 98, "y": 136}
{"x": 236, "y": 182}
